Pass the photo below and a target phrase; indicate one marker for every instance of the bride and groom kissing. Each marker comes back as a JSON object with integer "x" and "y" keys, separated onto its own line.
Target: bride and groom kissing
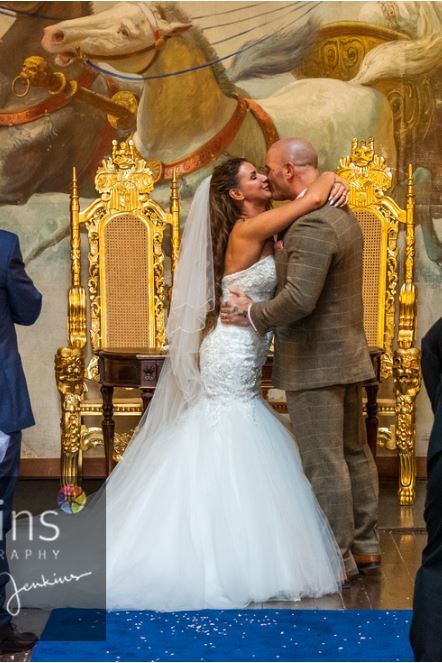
{"x": 214, "y": 503}
{"x": 231, "y": 508}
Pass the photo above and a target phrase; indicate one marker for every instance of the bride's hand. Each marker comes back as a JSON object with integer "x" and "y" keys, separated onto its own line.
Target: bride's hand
{"x": 339, "y": 193}
{"x": 331, "y": 187}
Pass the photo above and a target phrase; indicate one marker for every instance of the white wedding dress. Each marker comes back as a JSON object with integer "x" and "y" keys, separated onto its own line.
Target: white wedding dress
{"x": 212, "y": 511}
{"x": 218, "y": 512}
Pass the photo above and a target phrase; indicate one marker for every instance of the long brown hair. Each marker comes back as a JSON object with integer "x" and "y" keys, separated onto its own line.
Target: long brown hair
{"x": 224, "y": 212}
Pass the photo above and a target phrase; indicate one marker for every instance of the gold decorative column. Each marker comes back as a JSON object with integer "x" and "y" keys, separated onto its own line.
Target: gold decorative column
{"x": 406, "y": 363}
{"x": 77, "y": 294}
{"x": 69, "y": 374}
{"x": 70, "y": 361}
{"x": 175, "y": 212}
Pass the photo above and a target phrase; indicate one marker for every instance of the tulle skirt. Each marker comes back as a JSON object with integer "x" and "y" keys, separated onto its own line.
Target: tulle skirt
{"x": 217, "y": 514}
{"x": 214, "y": 512}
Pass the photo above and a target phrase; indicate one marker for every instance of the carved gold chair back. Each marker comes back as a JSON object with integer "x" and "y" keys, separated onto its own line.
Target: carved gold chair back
{"x": 126, "y": 295}
{"x": 389, "y": 295}
{"x": 379, "y": 216}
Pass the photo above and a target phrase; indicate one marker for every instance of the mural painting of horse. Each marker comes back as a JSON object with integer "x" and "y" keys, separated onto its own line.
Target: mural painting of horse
{"x": 327, "y": 111}
{"x": 178, "y": 115}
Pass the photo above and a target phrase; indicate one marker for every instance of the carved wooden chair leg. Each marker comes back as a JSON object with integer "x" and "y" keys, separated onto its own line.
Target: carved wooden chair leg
{"x": 69, "y": 371}
{"x": 108, "y": 425}
{"x": 407, "y": 475}
{"x": 407, "y": 382}
{"x": 371, "y": 421}
{"x": 146, "y": 395}
{"x": 71, "y": 468}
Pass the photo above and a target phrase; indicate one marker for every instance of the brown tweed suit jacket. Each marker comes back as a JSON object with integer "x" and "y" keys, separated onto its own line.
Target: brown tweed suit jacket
{"x": 317, "y": 312}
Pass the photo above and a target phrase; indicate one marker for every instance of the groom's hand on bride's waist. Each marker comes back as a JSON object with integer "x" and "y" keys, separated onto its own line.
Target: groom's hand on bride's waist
{"x": 235, "y": 311}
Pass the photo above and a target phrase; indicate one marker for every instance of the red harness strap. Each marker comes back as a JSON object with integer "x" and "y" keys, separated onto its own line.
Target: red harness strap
{"x": 216, "y": 145}
{"x": 16, "y": 116}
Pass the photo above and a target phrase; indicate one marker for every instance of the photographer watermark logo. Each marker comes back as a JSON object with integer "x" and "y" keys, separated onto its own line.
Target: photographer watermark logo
{"x": 36, "y": 548}
{"x": 71, "y": 498}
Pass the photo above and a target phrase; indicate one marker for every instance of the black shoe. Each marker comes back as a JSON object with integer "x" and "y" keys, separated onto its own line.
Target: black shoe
{"x": 12, "y": 641}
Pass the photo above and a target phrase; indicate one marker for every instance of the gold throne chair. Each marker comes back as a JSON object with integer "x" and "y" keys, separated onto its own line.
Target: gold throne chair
{"x": 126, "y": 298}
{"x": 389, "y": 295}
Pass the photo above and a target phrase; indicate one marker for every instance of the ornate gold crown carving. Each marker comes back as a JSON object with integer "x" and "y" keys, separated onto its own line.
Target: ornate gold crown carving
{"x": 365, "y": 172}
{"x": 125, "y": 171}
{"x": 124, "y": 156}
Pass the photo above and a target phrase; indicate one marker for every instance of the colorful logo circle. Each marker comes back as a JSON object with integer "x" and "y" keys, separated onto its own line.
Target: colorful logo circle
{"x": 71, "y": 498}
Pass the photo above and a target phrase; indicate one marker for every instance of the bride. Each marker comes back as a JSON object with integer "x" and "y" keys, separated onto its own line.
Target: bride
{"x": 209, "y": 506}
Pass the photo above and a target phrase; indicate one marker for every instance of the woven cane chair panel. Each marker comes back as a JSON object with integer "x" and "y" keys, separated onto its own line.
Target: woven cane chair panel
{"x": 372, "y": 288}
{"x": 126, "y": 282}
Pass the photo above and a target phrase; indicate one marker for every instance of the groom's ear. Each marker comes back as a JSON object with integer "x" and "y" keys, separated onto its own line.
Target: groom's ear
{"x": 289, "y": 171}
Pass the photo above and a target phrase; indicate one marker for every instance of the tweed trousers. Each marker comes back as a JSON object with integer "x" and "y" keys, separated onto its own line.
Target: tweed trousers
{"x": 330, "y": 431}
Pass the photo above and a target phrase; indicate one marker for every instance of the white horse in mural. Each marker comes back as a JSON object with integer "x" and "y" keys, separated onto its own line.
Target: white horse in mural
{"x": 178, "y": 114}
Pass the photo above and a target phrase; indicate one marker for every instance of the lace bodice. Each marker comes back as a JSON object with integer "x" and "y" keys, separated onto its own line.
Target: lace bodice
{"x": 231, "y": 358}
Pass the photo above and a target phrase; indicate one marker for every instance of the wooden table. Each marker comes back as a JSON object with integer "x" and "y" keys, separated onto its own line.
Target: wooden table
{"x": 138, "y": 368}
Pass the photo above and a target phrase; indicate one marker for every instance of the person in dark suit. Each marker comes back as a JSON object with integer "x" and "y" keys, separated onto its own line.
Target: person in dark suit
{"x": 426, "y": 625}
{"x": 20, "y": 303}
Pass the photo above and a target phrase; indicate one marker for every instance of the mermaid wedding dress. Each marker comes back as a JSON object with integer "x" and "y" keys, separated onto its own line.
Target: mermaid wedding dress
{"x": 209, "y": 506}
{"x": 222, "y": 513}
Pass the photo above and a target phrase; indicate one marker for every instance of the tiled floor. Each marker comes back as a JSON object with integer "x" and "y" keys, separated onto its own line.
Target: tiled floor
{"x": 402, "y": 537}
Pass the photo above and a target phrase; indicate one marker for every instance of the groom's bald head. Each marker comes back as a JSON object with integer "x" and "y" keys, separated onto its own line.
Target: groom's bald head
{"x": 297, "y": 150}
{"x": 292, "y": 164}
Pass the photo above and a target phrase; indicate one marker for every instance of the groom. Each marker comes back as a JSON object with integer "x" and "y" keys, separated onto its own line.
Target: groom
{"x": 321, "y": 354}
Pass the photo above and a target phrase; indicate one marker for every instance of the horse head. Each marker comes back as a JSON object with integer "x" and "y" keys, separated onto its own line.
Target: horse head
{"x": 128, "y": 35}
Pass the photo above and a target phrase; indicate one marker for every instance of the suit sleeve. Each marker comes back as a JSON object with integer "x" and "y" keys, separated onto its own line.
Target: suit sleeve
{"x": 23, "y": 297}
{"x": 432, "y": 363}
{"x": 310, "y": 244}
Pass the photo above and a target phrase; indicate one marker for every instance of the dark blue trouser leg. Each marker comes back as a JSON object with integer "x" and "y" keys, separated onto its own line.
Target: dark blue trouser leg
{"x": 9, "y": 469}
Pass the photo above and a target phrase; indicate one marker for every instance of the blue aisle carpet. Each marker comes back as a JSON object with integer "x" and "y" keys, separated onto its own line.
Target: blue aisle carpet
{"x": 228, "y": 635}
